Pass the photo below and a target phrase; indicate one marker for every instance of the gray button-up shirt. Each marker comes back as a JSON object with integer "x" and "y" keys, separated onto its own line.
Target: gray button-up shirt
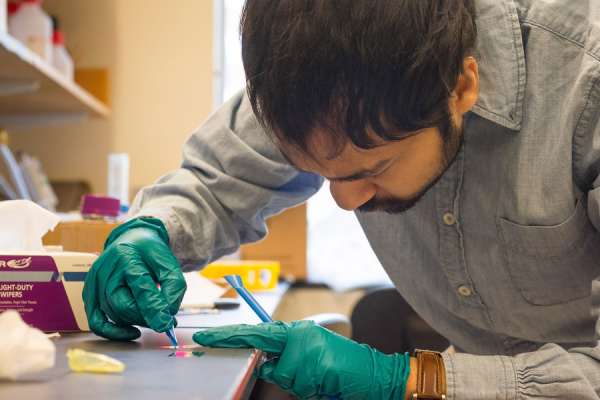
{"x": 502, "y": 256}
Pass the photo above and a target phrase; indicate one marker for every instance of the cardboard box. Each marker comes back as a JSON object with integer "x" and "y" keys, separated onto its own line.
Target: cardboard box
{"x": 86, "y": 236}
{"x": 285, "y": 242}
{"x": 95, "y": 81}
{"x": 45, "y": 288}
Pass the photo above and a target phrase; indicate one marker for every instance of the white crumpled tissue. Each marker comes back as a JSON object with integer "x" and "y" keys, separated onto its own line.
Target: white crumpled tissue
{"x": 23, "y": 349}
{"x": 22, "y": 225}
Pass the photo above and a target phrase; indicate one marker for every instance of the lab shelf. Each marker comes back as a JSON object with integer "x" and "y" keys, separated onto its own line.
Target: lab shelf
{"x": 33, "y": 94}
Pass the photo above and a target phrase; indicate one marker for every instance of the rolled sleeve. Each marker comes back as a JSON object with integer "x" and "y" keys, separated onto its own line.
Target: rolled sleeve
{"x": 551, "y": 372}
{"x": 232, "y": 178}
{"x": 466, "y": 373}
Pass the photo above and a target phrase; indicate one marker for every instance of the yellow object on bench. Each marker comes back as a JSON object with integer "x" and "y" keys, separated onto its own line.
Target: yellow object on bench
{"x": 256, "y": 275}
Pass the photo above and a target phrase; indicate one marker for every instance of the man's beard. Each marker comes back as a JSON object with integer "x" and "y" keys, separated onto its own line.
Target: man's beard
{"x": 396, "y": 205}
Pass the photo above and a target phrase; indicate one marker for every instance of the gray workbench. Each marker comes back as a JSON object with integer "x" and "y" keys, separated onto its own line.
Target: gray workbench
{"x": 152, "y": 371}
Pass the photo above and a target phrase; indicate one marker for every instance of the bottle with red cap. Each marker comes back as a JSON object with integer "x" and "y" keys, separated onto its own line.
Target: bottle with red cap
{"x": 33, "y": 27}
{"x": 61, "y": 60}
{"x": 6, "y": 14}
{"x": 11, "y": 9}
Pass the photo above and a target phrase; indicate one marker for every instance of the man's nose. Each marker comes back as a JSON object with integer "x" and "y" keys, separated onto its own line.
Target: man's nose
{"x": 351, "y": 195}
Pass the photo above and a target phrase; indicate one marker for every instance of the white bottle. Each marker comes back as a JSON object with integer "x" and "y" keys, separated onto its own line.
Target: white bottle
{"x": 118, "y": 178}
{"x": 11, "y": 9}
{"x": 60, "y": 57}
{"x": 33, "y": 27}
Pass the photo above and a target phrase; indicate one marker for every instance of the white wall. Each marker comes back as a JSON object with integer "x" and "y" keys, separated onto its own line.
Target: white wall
{"x": 159, "y": 57}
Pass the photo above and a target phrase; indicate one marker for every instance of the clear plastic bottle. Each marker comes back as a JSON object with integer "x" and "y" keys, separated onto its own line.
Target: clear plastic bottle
{"x": 61, "y": 60}
{"x": 118, "y": 178}
{"x": 33, "y": 27}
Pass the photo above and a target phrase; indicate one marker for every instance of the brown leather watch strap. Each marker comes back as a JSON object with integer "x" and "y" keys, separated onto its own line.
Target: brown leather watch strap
{"x": 431, "y": 375}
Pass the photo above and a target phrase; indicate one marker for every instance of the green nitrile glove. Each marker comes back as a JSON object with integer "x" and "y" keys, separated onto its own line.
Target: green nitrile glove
{"x": 313, "y": 362}
{"x": 121, "y": 284}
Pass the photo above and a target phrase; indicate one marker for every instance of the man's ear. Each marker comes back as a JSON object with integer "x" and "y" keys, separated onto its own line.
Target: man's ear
{"x": 465, "y": 94}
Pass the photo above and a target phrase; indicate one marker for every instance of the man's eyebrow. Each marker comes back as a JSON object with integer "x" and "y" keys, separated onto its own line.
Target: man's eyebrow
{"x": 362, "y": 173}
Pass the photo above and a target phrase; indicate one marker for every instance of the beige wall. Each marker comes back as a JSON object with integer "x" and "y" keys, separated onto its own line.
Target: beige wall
{"x": 159, "y": 57}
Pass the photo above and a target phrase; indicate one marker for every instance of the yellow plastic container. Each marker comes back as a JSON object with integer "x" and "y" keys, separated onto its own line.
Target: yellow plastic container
{"x": 85, "y": 361}
{"x": 256, "y": 275}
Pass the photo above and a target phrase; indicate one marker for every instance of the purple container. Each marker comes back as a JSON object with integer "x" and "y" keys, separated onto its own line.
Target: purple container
{"x": 101, "y": 206}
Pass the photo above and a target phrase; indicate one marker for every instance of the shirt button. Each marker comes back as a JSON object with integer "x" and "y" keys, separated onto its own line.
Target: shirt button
{"x": 464, "y": 290}
{"x": 449, "y": 218}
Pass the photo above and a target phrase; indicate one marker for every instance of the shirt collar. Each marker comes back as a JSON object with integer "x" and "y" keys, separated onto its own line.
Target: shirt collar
{"x": 501, "y": 60}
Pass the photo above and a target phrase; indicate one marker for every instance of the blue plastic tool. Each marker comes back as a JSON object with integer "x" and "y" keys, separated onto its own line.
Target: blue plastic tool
{"x": 236, "y": 282}
{"x": 171, "y": 334}
{"x": 238, "y": 285}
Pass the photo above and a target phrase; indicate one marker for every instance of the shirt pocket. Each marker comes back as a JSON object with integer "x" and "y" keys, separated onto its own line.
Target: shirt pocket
{"x": 552, "y": 264}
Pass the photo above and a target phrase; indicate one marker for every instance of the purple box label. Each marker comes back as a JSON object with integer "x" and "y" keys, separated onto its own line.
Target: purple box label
{"x": 32, "y": 286}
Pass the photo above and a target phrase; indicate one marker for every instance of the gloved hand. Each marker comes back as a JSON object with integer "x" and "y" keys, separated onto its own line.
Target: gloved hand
{"x": 121, "y": 284}
{"x": 313, "y": 362}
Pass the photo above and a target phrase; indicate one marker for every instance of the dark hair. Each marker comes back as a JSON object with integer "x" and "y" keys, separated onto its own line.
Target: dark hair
{"x": 341, "y": 66}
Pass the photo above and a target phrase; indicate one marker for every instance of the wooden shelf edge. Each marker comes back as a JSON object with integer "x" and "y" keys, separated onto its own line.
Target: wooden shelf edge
{"x": 89, "y": 103}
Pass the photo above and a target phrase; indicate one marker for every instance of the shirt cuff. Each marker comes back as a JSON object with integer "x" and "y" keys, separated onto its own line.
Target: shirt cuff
{"x": 170, "y": 221}
{"x": 480, "y": 377}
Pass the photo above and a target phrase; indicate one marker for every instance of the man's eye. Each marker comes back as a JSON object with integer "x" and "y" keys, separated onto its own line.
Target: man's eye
{"x": 382, "y": 173}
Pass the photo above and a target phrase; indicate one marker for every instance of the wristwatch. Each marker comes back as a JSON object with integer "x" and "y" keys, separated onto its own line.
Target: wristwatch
{"x": 431, "y": 375}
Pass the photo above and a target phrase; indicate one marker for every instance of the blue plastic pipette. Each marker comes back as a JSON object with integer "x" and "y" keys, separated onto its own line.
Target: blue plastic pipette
{"x": 236, "y": 282}
{"x": 171, "y": 334}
